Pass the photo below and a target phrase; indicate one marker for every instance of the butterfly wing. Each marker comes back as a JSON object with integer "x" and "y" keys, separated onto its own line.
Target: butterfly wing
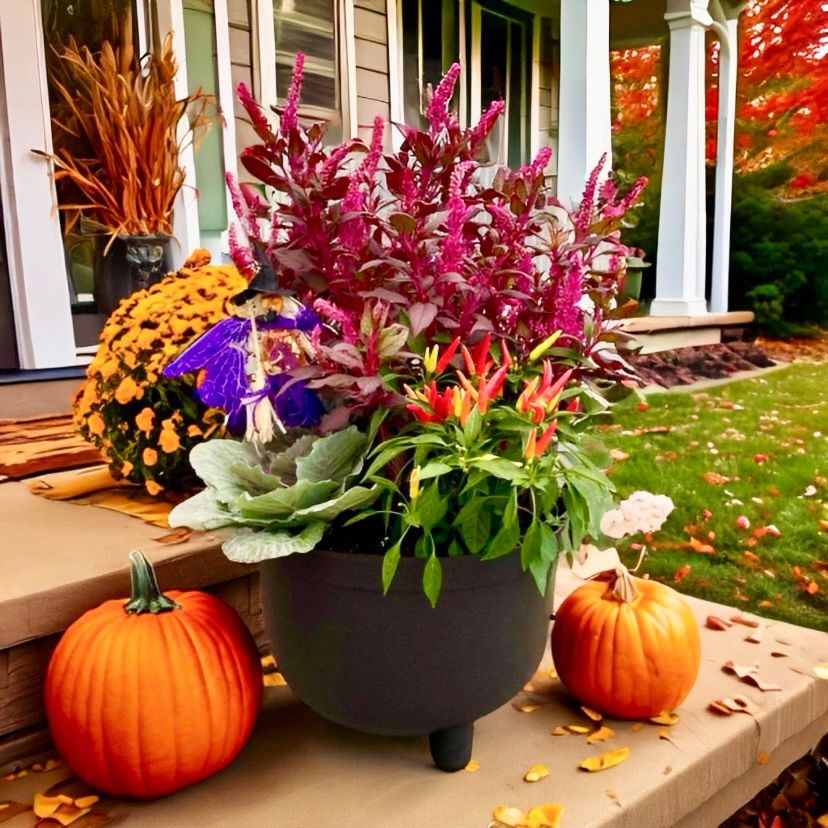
{"x": 220, "y": 353}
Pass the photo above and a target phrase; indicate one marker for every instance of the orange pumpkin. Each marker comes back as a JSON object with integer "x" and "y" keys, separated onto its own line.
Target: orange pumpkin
{"x": 629, "y": 648}
{"x": 149, "y": 695}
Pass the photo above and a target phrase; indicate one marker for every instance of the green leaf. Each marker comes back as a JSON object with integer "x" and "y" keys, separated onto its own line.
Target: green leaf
{"x": 254, "y": 546}
{"x": 202, "y": 511}
{"x": 500, "y": 468}
{"x": 356, "y": 497}
{"x": 530, "y": 549}
{"x": 455, "y": 549}
{"x": 434, "y": 469}
{"x": 390, "y": 562}
{"x": 334, "y": 457}
{"x": 283, "y": 458}
{"x": 475, "y": 524}
{"x": 540, "y": 572}
{"x": 432, "y": 579}
{"x": 213, "y": 462}
{"x": 383, "y": 459}
{"x": 282, "y": 503}
{"x": 503, "y": 542}
{"x": 431, "y": 506}
{"x": 474, "y": 423}
{"x": 550, "y": 547}
{"x": 510, "y": 512}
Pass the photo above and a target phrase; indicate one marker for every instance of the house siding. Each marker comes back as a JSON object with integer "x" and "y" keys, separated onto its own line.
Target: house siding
{"x": 371, "y": 48}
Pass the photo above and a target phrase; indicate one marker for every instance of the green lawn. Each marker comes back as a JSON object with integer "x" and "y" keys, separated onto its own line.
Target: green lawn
{"x": 706, "y": 450}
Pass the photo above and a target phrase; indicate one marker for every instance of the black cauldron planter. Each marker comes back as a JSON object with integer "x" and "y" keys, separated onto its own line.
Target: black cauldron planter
{"x": 392, "y": 665}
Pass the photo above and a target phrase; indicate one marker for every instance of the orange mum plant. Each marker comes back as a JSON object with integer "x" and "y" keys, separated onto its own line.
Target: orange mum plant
{"x": 146, "y": 424}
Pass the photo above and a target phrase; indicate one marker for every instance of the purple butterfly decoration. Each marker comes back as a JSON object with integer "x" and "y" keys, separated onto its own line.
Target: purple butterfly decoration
{"x": 221, "y": 354}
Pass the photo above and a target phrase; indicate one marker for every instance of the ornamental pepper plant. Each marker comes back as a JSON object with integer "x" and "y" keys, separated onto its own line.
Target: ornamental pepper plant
{"x": 441, "y": 331}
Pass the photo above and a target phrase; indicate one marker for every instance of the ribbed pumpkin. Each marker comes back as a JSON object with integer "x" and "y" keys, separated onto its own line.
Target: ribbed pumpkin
{"x": 629, "y": 648}
{"x": 149, "y": 695}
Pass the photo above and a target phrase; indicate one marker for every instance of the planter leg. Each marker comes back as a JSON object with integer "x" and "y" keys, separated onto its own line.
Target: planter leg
{"x": 451, "y": 747}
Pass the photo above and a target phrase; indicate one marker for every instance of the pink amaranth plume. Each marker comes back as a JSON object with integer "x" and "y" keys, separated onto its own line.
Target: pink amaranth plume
{"x": 478, "y": 135}
{"x": 328, "y": 310}
{"x": 241, "y": 254}
{"x": 582, "y": 217}
{"x": 288, "y": 119}
{"x": 539, "y": 164}
{"x": 241, "y": 207}
{"x": 257, "y": 117}
{"x": 451, "y": 253}
{"x": 437, "y": 112}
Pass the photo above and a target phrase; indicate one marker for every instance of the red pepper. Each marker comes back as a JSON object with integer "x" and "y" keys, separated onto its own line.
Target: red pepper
{"x": 446, "y": 356}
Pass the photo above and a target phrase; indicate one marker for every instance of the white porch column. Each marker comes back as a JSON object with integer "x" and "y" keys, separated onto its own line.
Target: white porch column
{"x": 726, "y": 27}
{"x": 584, "y": 96}
{"x": 37, "y": 267}
{"x": 186, "y": 236}
{"x": 680, "y": 283}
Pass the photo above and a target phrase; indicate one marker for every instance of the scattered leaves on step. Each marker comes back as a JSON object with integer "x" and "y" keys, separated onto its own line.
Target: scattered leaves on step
{"x": 668, "y": 769}
{"x": 761, "y": 758}
{"x": 601, "y": 735}
{"x": 777, "y": 654}
{"x": 713, "y": 622}
{"x": 62, "y": 808}
{"x": 664, "y": 733}
{"x": 636, "y": 726}
{"x": 719, "y": 708}
{"x": 754, "y": 638}
{"x": 740, "y": 670}
{"x": 613, "y": 797}
{"x": 592, "y": 714}
{"x": 744, "y": 620}
{"x": 472, "y": 766}
{"x": 542, "y": 683}
{"x": 559, "y": 731}
{"x": 578, "y": 728}
{"x": 821, "y": 671}
{"x": 274, "y": 680}
{"x": 764, "y": 686}
{"x": 665, "y": 718}
{"x": 536, "y": 773}
{"x": 605, "y": 760}
{"x": 541, "y": 816}
{"x": 527, "y": 707}
{"x": 180, "y": 535}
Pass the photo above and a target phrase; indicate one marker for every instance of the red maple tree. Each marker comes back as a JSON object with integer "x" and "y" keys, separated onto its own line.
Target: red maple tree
{"x": 782, "y": 107}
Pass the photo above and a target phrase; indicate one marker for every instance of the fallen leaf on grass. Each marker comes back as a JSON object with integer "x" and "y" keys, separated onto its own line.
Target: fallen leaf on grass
{"x": 665, "y": 718}
{"x": 618, "y": 456}
{"x": 742, "y": 522}
{"x": 715, "y": 479}
{"x": 601, "y": 735}
{"x": 605, "y": 760}
{"x": 701, "y": 547}
{"x": 536, "y": 773}
{"x": 681, "y": 573}
{"x": 472, "y": 766}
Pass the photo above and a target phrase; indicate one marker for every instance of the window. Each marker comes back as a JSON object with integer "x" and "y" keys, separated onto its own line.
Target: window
{"x": 312, "y": 27}
{"x": 430, "y": 33}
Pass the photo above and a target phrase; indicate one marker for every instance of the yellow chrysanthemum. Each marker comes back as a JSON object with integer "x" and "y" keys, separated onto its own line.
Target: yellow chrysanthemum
{"x": 169, "y": 441}
{"x": 145, "y": 420}
{"x": 125, "y": 397}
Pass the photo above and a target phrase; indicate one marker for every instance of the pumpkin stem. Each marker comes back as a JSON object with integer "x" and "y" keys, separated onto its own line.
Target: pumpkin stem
{"x": 623, "y": 586}
{"x": 146, "y": 596}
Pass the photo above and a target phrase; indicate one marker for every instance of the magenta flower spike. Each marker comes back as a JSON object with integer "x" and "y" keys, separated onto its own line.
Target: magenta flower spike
{"x": 437, "y": 111}
{"x": 288, "y": 119}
